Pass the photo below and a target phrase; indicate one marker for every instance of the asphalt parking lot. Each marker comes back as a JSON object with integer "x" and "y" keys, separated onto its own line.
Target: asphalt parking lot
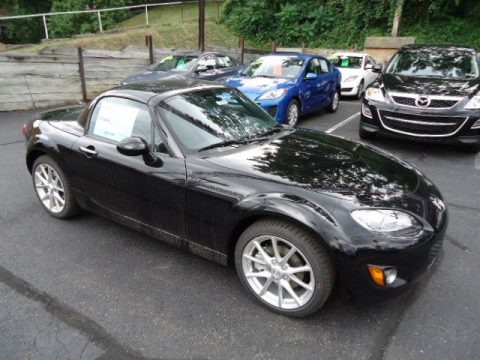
{"x": 89, "y": 288}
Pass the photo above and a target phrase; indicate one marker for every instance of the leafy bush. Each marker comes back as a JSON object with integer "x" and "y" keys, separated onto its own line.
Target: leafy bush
{"x": 68, "y": 25}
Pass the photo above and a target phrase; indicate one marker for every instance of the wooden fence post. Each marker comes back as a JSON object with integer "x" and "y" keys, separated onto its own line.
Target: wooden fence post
{"x": 81, "y": 70}
{"x": 149, "y": 43}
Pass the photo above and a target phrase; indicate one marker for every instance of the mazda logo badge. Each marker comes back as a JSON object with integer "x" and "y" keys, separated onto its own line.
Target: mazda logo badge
{"x": 422, "y": 101}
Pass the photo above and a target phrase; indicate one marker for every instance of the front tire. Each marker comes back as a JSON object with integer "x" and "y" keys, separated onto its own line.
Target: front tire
{"x": 293, "y": 113}
{"x": 360, "y": 90}
{"x": 52, "y": 188}
{"x": 284, "y": 267}
{"x": 333, "y": 106}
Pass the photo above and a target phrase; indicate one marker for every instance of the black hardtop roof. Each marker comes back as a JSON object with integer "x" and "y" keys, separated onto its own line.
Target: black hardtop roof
{"x": 145, "y": 91}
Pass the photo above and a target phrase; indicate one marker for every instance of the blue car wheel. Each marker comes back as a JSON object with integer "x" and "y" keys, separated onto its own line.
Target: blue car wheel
{"x": 293, "y": 113}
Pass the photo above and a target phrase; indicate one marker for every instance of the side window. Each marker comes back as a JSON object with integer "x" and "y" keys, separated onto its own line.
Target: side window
{"x": 117, "y": 118}
{"x": 224, "y": 61}
{"x": 314, "y": 66}
{"x": 324, "y": 68}
{"x": 208, "y": 61}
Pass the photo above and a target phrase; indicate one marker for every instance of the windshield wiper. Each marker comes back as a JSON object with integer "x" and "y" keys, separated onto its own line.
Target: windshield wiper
{"x": 227, "y": 143}
{"x": 274, "y": 130}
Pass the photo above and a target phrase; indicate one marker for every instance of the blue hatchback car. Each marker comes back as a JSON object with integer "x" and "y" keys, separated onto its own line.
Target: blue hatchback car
{"x": 288, "y": 85}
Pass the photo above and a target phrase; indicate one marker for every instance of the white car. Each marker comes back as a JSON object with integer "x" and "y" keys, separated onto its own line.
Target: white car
{"x": 356, "y": 69}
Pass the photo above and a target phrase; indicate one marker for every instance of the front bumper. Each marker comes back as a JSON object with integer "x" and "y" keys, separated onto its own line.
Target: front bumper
{"x": 411, "y": 264}
{"x": 276, "y": 108}
{"x": 420, "y": 125}
{"x": 349, "y": 89}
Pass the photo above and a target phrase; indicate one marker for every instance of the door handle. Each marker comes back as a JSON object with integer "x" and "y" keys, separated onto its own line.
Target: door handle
{"x": 89, "y": 151}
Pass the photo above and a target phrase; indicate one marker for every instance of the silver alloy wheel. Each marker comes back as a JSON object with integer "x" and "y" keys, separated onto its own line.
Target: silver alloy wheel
{"x": 292, "y": 114}
{"x": 49, "y": 188}
{"x": 278, "y": 272}
{"x": 335, "y": 101}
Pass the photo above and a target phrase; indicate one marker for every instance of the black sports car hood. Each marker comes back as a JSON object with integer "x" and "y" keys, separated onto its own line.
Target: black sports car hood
{"x": 429, "y": 85}
{"x": 331, "y": 165}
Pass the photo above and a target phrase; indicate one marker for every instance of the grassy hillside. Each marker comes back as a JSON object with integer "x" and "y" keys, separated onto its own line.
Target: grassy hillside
{"x": 166, "y": 26}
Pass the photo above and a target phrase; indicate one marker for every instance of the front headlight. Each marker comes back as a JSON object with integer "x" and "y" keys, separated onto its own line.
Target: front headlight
{"x": 274, "y": 94}
{"x": 474, "y": 103}
{"x": 374, "y": 94}
{"x": 351, "y": 78}
{"x": 384, "y": 220}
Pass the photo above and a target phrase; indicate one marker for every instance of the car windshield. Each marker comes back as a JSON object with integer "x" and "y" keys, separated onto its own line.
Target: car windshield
{"x": 275, "y": 67}
{"x": 204, "y": 118}
{"x": 174, "y": 63}
{"x": 448, "y": 63}
{"x": 343, "y": 61}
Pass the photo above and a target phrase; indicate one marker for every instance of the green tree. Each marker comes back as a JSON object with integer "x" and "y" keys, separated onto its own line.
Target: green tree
{"x": 28, "y": 30}
{"x": 68, "y": 25}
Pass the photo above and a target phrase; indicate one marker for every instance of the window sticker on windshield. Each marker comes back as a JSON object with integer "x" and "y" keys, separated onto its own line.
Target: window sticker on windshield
{"x": 169, "y": 57}
{"x": 115, "y": 121}
{"x": 345, "y": 62}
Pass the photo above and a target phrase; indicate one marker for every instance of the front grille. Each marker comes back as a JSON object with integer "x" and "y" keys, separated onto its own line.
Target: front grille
{"x": 421, "y": 125}
{"x": 436, "y": 103}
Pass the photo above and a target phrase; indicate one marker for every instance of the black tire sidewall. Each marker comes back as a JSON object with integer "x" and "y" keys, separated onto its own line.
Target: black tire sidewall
{"x": 314, "y": 255}
{"x": 70, "y": 207}
{"x": 330, "y": 107}
{"x": 291, "y": 103}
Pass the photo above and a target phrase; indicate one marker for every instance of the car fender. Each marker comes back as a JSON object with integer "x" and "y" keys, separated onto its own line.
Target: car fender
{"x": 298, "y": 210}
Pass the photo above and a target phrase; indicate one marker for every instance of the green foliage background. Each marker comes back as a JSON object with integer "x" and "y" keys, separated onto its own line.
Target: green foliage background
{"x": 317, "y": 23}
{"x": 346, "y": 23}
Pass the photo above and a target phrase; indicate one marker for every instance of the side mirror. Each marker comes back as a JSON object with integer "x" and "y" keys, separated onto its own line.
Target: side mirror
{"x": 133, "y": 146}
{"x": 311, "y": 76}
{"x": 377, "y": 68}
{"x": 368, "y": 67}
{"x": 201, "y": 68}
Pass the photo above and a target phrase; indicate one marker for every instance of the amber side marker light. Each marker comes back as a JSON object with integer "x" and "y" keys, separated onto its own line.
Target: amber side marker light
{"x": 377, "y": 274}
{"x": 382, "y": 276}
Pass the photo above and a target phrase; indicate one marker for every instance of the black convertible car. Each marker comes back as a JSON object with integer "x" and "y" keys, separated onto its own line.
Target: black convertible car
{"x": 202, "y": 167}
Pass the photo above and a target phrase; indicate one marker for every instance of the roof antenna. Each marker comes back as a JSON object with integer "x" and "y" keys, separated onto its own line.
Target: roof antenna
{"x": 31, "y": 96}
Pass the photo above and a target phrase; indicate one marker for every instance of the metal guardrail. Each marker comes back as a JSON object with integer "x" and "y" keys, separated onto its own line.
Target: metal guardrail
{"x": 98, "y": 11}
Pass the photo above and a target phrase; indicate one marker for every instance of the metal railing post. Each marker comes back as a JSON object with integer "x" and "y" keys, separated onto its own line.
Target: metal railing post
{"x": 45, "y": 27}
{"x": 146, "y": 15}
{"x": 100, "y": 21}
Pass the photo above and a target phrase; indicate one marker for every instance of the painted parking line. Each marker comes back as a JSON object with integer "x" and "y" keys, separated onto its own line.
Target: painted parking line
{"x": 344, "y": 122}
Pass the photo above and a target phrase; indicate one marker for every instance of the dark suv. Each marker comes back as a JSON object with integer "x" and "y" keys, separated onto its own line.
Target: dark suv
{"x": 427, "y": 93}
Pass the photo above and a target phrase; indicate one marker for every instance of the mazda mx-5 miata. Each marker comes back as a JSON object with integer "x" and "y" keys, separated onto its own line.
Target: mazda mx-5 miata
{"x": 202, "y": 167}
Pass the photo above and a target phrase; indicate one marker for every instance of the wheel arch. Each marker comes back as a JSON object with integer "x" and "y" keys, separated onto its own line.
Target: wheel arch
{"x": 32, "y": 156}
{"x": 306, "y": 217}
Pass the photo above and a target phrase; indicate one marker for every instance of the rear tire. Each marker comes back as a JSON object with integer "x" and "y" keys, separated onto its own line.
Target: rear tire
{"x": 333, "y": 106}
{"x": 284, "y": 268}
{"x": 53, "y": 188}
